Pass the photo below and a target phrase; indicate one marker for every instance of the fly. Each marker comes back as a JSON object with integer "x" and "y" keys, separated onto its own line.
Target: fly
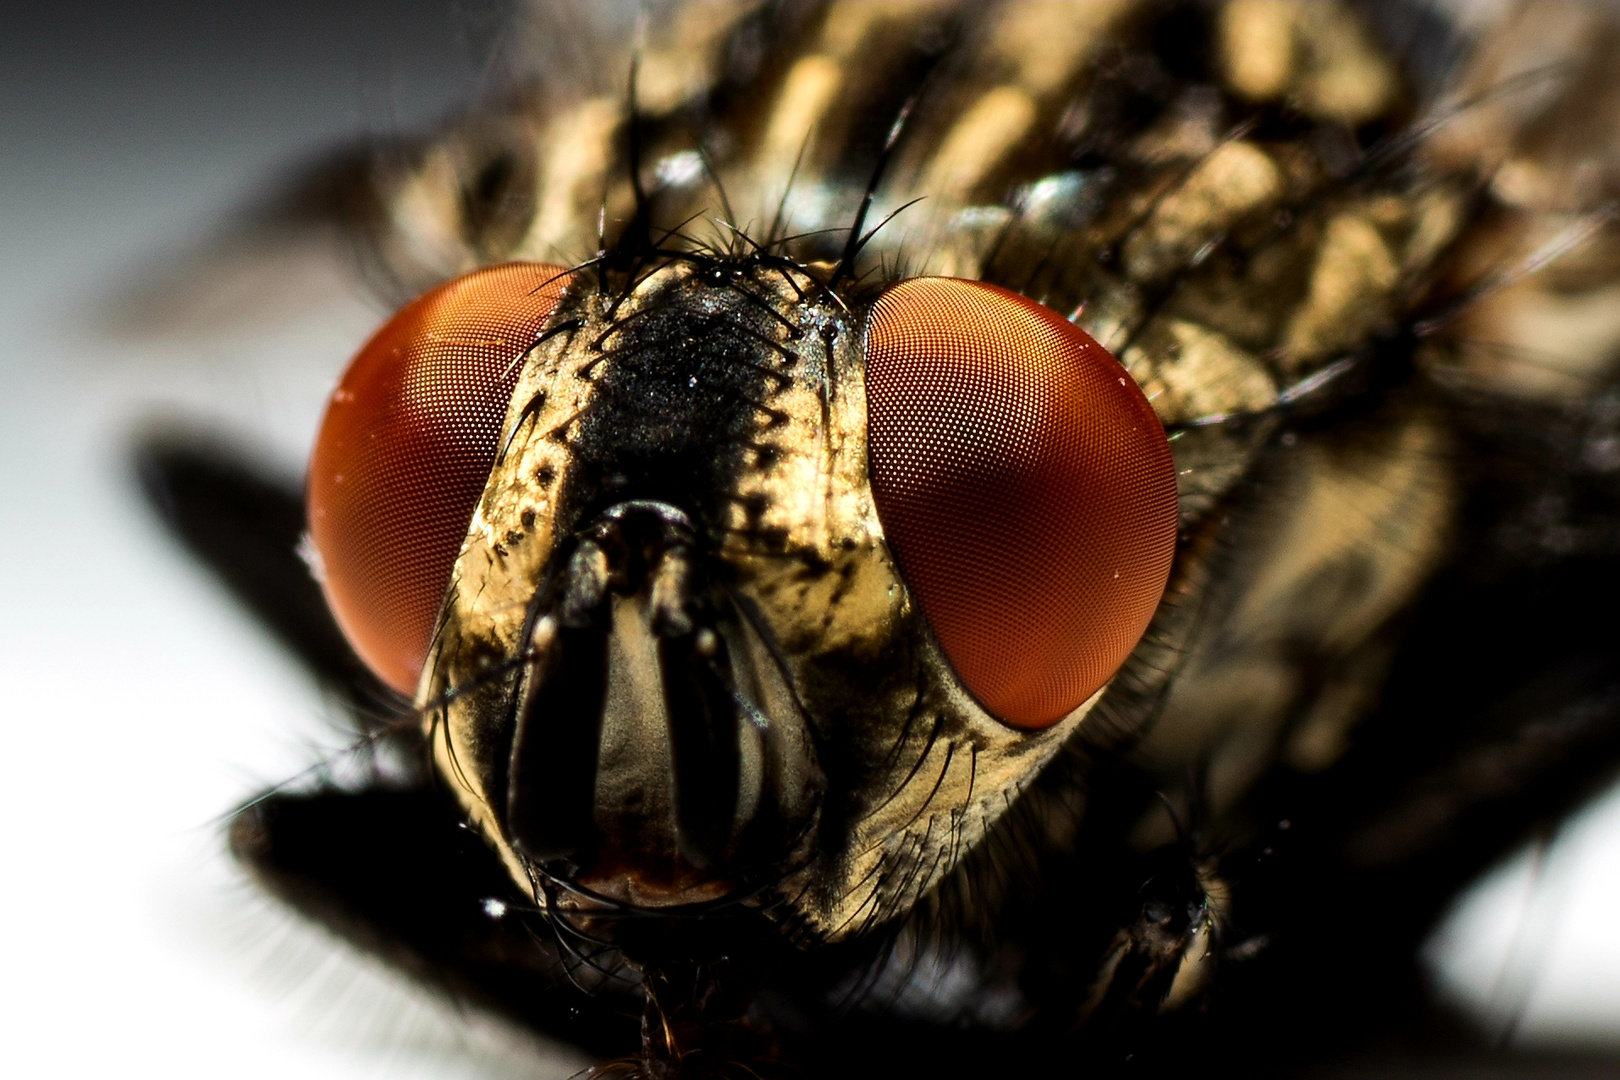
{"x": 954, "y": 537}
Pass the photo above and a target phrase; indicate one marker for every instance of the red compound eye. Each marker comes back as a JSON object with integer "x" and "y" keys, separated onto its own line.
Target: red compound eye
{"x": 1025, "y": 487}
{"x": 405, "y": 449}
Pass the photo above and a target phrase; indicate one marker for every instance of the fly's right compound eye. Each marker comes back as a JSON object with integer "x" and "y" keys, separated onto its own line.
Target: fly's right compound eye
{"x": 1025, "y": 487}
{"x": 405, "y": 449}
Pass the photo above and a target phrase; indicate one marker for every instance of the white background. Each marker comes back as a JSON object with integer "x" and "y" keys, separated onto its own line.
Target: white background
{"x": 142, "y": 702}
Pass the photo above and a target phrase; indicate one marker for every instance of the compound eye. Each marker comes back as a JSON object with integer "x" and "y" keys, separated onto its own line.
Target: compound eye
{"x": 1025, "y": 488}
{"x": 405, "y": 449}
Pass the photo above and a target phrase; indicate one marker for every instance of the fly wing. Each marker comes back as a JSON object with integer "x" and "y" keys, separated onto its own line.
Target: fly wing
{"x": 246, "y": 525}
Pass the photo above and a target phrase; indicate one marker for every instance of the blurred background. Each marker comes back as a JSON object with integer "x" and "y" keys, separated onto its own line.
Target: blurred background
{"x": 144, "y": 703}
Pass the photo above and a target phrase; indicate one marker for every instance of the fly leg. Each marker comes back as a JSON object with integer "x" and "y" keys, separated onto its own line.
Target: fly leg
{"x": 397, "y": 874}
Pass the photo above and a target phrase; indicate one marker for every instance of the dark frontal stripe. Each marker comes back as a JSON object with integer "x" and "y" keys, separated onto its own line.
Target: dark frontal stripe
{"x": 682, "y": 389}
{"x": 554, "y": 755}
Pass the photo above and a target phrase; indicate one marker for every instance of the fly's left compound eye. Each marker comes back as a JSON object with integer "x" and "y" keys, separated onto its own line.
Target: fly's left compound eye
{"x": 1025, "y": 487}
{"x": 405, "y": 449}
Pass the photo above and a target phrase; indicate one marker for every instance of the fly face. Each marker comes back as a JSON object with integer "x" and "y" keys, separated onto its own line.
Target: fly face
{"x": 646, "y": 743}
{"x": 678, "y": 663}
